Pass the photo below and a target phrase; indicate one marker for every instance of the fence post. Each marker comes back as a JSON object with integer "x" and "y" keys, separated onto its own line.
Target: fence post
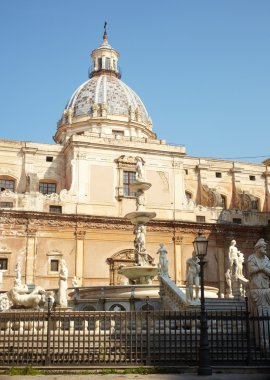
{"x": 148, "y": 348}
{"x": 49, "y": 321}
{"x": 247, "y": 314}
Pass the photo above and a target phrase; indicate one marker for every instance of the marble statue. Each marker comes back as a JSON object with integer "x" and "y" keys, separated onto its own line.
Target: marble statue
{"x": 19, "y": 298}
{"x": 233, "y": 257}
{"x": 139, "y": 244}
{"x": 259, "y": 290}
{"x": 228, "y": 278}
{"x": 259, "y": 272}
{"x": 236, "y": 260}
{"x": 69, "y": 115}
{"x": 163, "y": 260}
{"x": 140, "y": 200}
{"x": 63, "y": 277}
{"x": 240, "y": 261}
{"x": 192, "y": 277}
{"x": 139, "y": 169}
{"x": 75, "y": 282}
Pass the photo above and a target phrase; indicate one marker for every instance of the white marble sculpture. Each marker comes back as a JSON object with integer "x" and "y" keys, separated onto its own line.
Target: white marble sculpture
{"x": 140, "y": 200}
{"x": 259, "y": 272}
{"x": 63, "y": 277}
{"x": 233, "y": 257}
{"x": 75, "y": 282}
{"x": 192, "y": 277}
{"x": 236, "y": 260}
{"x": 228, "y": 278}
{"x": 163, "y": 260}
{"x": 259, "y": 289}
{"x": 19, "y": 298}
{"x": 139, "y": 169}
{"x": 139, "y": 243}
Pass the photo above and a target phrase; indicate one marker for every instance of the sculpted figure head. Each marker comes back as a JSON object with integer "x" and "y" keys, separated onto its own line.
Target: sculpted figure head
{"x": 260, "y": 247}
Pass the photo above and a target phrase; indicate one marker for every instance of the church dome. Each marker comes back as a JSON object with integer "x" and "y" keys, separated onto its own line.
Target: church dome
{"x": 104, "y": 104}
{"x": 120, "y": 100}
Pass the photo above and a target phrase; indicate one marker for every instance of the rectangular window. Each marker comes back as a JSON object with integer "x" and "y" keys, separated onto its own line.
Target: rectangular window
{"x": 49, "y": 159}
{"x": 186, "y": 171}
{"x": 56, "y": 209}
{"x": 6, "y": 204}
{"x": 200, "y": 218}
{"x": 47, "y": 188}
{"x": 54, "y": 265}
{"x": 252, "y": 178}
{"x": 118, "y": 133}
{"x": 7, "y": 184}
{"x": 218, "y": 175}
{"x": 237, "y": 220}
{"x": 129, "y": 178}
{"x": 3, "y": 263}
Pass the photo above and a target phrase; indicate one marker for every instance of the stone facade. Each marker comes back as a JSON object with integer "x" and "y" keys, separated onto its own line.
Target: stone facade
{"x": 68, "y": 199}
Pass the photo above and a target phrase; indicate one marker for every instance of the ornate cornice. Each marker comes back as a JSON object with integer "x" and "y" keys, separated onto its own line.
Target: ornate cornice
{"x": 32, "y": 221}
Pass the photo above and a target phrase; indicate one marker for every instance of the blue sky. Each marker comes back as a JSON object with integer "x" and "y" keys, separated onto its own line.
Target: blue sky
{"x": 201, "y": 67}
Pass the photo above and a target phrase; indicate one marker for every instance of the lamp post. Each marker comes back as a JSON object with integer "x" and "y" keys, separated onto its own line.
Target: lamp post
{"x": 200, "y": 246}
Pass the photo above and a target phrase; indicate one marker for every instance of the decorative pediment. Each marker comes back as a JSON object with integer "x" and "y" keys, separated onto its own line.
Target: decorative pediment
{"x": 126, "y": 161}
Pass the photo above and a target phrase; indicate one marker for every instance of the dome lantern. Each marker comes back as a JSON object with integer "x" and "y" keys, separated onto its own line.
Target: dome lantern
{"x": 105, "y": 59}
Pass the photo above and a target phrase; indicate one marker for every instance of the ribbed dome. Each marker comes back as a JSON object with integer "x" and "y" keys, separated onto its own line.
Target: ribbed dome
{"x": 104, "y": 105}
{"x": 120, "y": 100}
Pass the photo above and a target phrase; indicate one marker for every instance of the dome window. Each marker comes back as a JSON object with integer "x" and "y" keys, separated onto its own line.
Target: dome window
{"x": 108, "y": 63}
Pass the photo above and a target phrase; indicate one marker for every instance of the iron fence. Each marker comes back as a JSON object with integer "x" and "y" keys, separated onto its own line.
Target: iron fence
{"x": 86, "y": 338}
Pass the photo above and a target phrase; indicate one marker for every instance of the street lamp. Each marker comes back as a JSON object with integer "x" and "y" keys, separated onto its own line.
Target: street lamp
{"x": 200, "y": 246}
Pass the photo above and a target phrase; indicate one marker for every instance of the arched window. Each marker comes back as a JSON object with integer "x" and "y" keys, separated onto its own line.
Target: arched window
{"x": 223, "y": 202}
{"x": 255, "y": 204}
{"x": 188, "y": 195}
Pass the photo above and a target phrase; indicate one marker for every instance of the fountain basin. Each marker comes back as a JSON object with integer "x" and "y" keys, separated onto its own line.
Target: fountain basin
{"x": 138, "y": 185}
{"x": 139, "y": 274}
{"x": 140, "y": 217}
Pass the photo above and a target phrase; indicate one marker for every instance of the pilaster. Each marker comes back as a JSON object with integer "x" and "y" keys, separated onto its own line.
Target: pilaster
{"x": 30, "y": 255}
{"x": 178, "y": 240}
{"x": 79, "y": 259}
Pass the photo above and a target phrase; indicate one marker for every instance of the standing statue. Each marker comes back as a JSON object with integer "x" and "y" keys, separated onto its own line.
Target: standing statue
{"x": 163, "y": 260}
{"x": 192, "y": 277}
{"x": 240, "y": 263}
{"x": 75, "y": 282}
{"x": 228, "y": 279}
{"x": 259, "y": 271}
{"x": 140, "y": 200}
{"x": 139, "y": 244}
{"x": 233, "y": 257}
{"x": 236, "y": 260}
{"x": 139, "y": 169}
{"x": 63, "y": 276}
